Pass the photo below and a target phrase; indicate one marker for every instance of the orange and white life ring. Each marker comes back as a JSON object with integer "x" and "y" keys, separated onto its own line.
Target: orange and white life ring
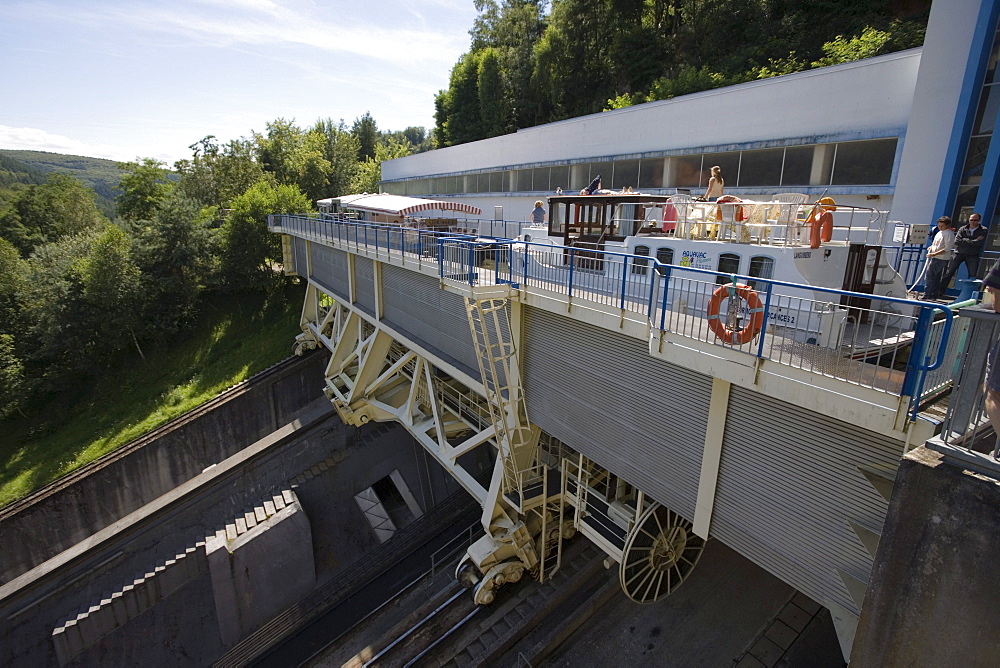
{"x": 821, "y": 222}
{"x": 754, "y": 305}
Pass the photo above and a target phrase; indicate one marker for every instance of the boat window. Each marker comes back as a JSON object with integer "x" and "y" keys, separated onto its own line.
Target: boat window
{"x": 664, "y": 256}
{"x": 639, "y": 264}
{"x": 864, "y": 162}
{"x": 761, "y": 266}
{"x": 729, "y": 263}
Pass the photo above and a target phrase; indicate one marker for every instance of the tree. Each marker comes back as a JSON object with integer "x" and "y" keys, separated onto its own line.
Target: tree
{"x": 369, "y": 172}
{"x": 216, "y": 173}
{"x": 178, "y": 257}
{"x": 250, "y": 254}
{"x": 112, "y": 287}
{"x": 42, "y": 213}
{"x": 366, "y": 132}
{"x": 143, "y": 186}
{"x": 494, "y": 102}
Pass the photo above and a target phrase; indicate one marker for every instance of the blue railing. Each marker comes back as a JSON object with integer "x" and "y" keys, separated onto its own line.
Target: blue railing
{"x": 884, "y": 343}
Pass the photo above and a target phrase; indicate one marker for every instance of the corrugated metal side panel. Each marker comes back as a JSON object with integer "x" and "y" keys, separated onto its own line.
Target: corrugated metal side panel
{"x": 364, "y": 281}
{"x": 299, "y": 252}
{"x": 601, "y": 393}
{"x": 415, "y": 304}
{"x": 788, "y": 484}
{"x": 329, "y": 267}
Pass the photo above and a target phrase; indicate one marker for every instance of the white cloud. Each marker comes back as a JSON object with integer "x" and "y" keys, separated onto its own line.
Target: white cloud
{"x": 35, "y": 139}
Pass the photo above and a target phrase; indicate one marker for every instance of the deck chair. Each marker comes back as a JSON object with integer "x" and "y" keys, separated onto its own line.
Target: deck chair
{"x": 682, "y": 205}
{"x": 784, "y": 214}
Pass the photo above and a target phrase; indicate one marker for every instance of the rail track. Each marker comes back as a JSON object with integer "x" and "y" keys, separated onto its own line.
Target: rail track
{"x": 125, "y": 450}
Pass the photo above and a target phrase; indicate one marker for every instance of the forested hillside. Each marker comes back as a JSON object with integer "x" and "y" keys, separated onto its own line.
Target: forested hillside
{"x": 80, "y": 289}
{"x": 33, "y": 167}
{"x": 532, "y": 62}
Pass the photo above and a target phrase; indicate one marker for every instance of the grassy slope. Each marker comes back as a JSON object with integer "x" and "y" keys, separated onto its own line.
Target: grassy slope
{"x": 234, "y": 339}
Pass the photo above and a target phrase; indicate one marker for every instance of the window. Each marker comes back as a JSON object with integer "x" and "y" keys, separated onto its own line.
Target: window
{"x": 651, "y": 173}
{"x": 864, "y": 162}
{"x": 540, "y": 179}
{"x": 759, "y": 168}
{"x": 639, "y": 264}
{"x": 626, "y": 174}
{"x": 559, "y": 177}
{"x": 729, "y": 263}
{"x": 761, "y": 266}
{"x": 522, "y": 179}
{"x": 685, "y": 172}
{"x": 798, "y": 166}
{"x": 730, "y": 164}
{"x": 664, "y": 256}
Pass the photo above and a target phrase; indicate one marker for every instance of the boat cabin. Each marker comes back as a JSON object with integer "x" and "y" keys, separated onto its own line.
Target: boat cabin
{"x": 593, "y": 219}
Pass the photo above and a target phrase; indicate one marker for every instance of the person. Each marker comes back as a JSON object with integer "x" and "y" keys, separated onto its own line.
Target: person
{"x": 594, "y": 186}
{"x": 938, "y": 256}
{"x": 991, "y": 384}
{"x": 715, "y": 185}
{"x": 538, "y": 214}
{"x": 969, "y": 242}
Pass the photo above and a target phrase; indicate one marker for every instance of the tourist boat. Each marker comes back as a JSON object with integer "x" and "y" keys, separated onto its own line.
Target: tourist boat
{"x": 788, "y": 240}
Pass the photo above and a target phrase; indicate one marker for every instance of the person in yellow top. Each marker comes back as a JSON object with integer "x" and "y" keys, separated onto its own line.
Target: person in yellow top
{"x": 715, "y": 185}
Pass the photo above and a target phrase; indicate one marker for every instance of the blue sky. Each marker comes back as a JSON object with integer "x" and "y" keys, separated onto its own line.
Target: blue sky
{"x": 123, "y": 79}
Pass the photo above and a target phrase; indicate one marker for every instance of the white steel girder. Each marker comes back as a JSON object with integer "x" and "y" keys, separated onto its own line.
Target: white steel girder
{"x": 372, "y": 375}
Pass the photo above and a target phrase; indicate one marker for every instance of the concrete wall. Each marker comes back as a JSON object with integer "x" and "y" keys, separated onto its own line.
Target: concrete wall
{"x": 326, "y": 463}
{"x": 932, "y": 597}
{"x": 43, "y": 525}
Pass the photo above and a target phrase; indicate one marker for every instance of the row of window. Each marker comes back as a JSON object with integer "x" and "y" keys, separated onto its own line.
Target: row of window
{"x": 761, "y": 266}
{"x": 866, "y": 162}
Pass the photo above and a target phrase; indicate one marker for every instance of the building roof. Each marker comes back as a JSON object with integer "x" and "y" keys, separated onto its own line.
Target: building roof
{"x": 399, "y": 204}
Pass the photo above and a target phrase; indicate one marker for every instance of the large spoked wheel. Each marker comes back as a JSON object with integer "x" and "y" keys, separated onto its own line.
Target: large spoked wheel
{"x": 659, "y": 554}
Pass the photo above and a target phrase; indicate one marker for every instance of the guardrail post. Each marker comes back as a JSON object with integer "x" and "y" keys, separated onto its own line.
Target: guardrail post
{"x": 472, "y": 264}
{"x": 918, "y": 361}
{"x": 666, "y": 288}
{"x": 624, "y": 281}
{"x": 440, "y": 243}
{"x": 572, "y": 265}
{"x": 525, "y": 277}
{"x": 767, "y": 316}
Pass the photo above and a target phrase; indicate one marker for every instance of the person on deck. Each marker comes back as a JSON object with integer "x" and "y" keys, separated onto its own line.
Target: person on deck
{"x": 938, "y": 256}
{"x": 715, "y": 185}
{"x": 969, "y": 242}
{"x": 594, "y": 186}
{"x": 537, "y": 214}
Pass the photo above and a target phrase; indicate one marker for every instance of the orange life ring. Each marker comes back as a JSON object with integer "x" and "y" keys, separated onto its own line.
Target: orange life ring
{"x": 756, "y": 307}
{"x": 820, "y": 227}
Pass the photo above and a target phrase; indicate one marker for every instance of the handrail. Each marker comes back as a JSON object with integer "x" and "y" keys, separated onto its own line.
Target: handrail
{"x": 586, "y": 274}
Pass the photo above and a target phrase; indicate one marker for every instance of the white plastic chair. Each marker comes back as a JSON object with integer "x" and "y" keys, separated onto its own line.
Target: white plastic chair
{"x": 784, "y": 213}
{"x": 682, "y": 205}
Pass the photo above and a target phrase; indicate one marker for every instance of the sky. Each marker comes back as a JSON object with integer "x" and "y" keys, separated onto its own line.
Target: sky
{"x": 129, "y": 79}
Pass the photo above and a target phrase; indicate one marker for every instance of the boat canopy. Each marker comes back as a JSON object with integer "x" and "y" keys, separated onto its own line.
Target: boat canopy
{"x": 394, "y": 205}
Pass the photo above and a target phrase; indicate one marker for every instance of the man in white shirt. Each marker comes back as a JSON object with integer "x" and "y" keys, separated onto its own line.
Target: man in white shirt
{"x": 938, "y": 256}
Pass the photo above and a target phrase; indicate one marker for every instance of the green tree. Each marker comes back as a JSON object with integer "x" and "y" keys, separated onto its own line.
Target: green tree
{"x": 369, "y": 172}
{"x": 494, "y": 101}
{"x": 43, "y": 213}
{"x": 112, "y": 288}
{"x": 143, "y": 186}
{"x": 280, "y": 150}
{"x": 366, "y": 132}
{"x": 251, "y": 254}
{"x": 177, "y": 252}
{"x": 216, "y": 173}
